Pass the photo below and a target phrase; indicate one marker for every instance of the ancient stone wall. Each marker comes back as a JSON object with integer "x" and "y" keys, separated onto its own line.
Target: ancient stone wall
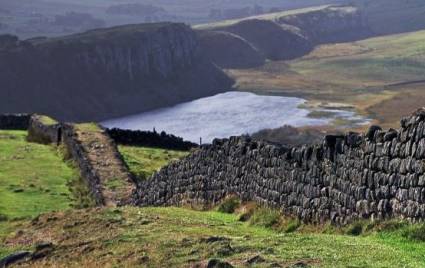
{"x": 14, "y": 121}
{"x": 100, "y": 165}
{"x": 94, "y": 152}
{"x": 378, "y": 175}
{"x": 77, "y": 153}
{"x": 149, "y": 139}
{"x": 44, "y": 132}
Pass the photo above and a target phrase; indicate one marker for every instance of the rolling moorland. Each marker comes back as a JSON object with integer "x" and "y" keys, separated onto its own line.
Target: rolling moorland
{"x": 335, "y": 58}
{"x": 107, "y": 77}
{"x": 371, "y": 75}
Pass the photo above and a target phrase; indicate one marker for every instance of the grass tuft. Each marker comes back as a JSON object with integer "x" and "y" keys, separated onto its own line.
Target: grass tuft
{"x": 229, "y": 205}
{"x": 292, "y": 225}
{"x": 265, "y": 217}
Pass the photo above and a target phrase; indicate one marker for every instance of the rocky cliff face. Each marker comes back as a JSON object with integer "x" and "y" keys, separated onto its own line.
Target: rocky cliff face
{"x": 229, "y": 50}
{"x": 107, "y": 72}
{"x": 274, "y": 41}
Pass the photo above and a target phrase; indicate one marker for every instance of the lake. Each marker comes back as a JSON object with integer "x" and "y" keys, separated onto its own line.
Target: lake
{"x": 227, "y": 114}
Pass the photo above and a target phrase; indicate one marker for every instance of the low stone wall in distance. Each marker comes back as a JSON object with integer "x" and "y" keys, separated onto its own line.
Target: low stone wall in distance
{"x": 14, "y": 121}
{"x": 376, "y": 175}
{"x": 45, "y": 130}
{"x": 150, "y": 139}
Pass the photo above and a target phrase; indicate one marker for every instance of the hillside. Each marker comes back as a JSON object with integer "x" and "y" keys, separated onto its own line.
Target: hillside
{"x": 175, "y": 237}
{"x": 393, "y": 16}
{"x": 373, "y": 76}
{"x": 228, "y": 50}
{"x": 293, "y": 33}
{"x": 286, "y": 35}
{"x": 33, "y": 178}
{"x": 273, "y": 41}
{"x": 153, "y": 237}
{"x": 106, "y": 73}
{"x": 53, "y": 230}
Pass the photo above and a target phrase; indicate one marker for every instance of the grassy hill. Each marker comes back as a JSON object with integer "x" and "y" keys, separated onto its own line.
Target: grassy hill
{"x": 34, "y": 181}
{"x": 364, "y": 74}
{"x": 176, "y": 237}
{"x": 393, "y": 16}
{"x": 33, "y": 178}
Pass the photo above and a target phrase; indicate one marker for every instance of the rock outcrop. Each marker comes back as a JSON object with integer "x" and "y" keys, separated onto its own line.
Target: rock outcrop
{"x": 378, "y": 175}
{"x": 273, "y": 41}
{"x": 106, "y": 73}
{"x": 229, "y": 50}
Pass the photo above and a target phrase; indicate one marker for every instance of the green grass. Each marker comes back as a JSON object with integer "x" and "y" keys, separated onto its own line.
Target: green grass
{"x": 144, "y": 161}
{"x": 33, "y": 177}
{"x": 47, "y": 120}
{"x": 176, "y": 237}
{"x": 388, "y": 59}
{"x": 88, "y": 127}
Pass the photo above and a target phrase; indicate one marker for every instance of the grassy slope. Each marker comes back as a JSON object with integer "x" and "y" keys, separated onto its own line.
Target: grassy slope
{"x": 355, "y": 73}
{"x": 143, "y": 161}
{"x": 156, "y": 237}
{"x": 174, "y": 237}
{"x": 33, "y": 177}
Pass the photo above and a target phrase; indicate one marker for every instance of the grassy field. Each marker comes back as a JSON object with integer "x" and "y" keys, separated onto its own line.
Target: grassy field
{"x": 177, "y": 237}
{"x": 362, "y": 74}
{"x": 144, "y": 161}
{"x": 33, "y": 177}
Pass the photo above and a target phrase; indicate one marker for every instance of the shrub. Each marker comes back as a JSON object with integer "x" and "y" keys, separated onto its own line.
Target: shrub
{"x": 355, "y": 229}
{"x": 265, "y": 217}
{"x": 3, "y": 217}
{"x": 229, "y": 205}
{"x": 246, "y": 216}
{"x": 292, "y": 226}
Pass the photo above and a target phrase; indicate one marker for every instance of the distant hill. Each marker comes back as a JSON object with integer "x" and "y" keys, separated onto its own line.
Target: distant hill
{"x": 393, "y": 16}
{"x": 291, "y": 34}
{"x": 106, "y": 73}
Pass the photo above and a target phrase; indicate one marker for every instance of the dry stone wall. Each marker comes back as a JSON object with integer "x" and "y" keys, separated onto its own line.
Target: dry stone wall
{"x": 378, "y": 175}
{"x": 94, "y": 152}
{"x": 100, "y": 164}
{"x": 14, "y": 121}
{"x": 149, "y": 139}
{"x": 41, "y": 132}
